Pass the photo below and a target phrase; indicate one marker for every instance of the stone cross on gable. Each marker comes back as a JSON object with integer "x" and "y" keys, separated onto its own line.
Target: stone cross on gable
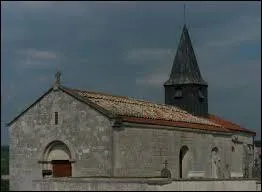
{"x": 57, "y": 76}
{"x": 57, "y": 80}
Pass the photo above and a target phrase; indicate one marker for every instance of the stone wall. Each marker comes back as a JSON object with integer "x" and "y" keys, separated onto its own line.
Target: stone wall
{"x": 85, "y": 131}
{"x": 257, "y": 168}
{"x": 140, "y": 184}
{"x": 93, "y": 184}
{"x": 223, "y": 185}
{"x": 242, "y": 156}
{"x": 142, "y": 151}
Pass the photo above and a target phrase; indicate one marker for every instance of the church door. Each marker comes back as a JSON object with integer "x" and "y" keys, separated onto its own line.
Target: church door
{"x": 61, "y": 168}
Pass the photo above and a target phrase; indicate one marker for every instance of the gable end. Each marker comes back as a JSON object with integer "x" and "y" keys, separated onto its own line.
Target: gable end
{"x": 86, "y": 101}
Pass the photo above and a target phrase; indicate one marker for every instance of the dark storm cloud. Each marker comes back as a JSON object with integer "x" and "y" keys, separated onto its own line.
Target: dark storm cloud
{"x": 110, "y": 45}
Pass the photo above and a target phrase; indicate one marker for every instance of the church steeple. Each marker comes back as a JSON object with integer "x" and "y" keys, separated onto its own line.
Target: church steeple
{"x": 185, "y": 87}
{"x": 185, "y": 69}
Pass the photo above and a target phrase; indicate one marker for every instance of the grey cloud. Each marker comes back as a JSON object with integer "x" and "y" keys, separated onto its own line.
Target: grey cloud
{"x": 155, "y": 80}
{"x": 236, "y": 75}
{"x": 37, "y": 59}
{"x": 211, "y": 48}
{"x": 38, "y": 54}
{"x": 110, "y": 45}
{"x": 235, "y": 32}
{"x": 149, "y": 54}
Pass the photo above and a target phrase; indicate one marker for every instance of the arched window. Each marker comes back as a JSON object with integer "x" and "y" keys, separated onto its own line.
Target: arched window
{"x": 57, "y": 158}
{"x": 183, "y": 161}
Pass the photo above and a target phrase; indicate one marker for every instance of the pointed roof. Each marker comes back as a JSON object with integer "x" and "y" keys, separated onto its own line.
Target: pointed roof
{"x": 185, "y": 69}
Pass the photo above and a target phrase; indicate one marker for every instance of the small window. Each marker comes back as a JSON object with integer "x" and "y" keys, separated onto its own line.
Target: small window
{"x": 56, "y": 118}
{"x": 178, "y": 93}
{"x": 201, "y": 95}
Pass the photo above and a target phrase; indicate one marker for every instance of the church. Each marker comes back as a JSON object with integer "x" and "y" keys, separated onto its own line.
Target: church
{"x": 75, "y": 133}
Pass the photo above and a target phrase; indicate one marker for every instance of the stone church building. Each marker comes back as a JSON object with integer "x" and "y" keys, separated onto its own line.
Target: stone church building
{"x": 76, "y": 133}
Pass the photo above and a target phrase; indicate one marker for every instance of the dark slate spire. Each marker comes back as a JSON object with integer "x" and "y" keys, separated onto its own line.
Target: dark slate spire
{"x": 185, "y": 69}
{"x": 185, "y": 87}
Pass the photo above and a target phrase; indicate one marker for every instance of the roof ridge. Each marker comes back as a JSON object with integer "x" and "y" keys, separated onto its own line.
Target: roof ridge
{"x": 93, "y": 92}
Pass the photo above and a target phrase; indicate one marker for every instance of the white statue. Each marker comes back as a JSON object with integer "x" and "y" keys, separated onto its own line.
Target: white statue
{"x": 215, "y": 164}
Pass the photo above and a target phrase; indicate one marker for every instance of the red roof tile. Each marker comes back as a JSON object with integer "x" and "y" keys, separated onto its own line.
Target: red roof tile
{"x": 125, "y": 106}
{"x": 174, "y": 124}
{"x": 227, "y": 124}
{"x": 145, "y": 112}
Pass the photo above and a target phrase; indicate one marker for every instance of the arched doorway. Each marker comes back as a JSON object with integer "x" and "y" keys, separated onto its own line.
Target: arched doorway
{"x": 57, "y": 158}
{"x": 183, "y": 161}
{"x": 215, "y": 163}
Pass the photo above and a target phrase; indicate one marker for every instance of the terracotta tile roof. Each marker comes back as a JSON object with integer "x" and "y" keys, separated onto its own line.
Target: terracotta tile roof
{"x": 175, "y": 124}
{"x": 228, "y": 125}
{"x": 129, "y": 107}
{"x": 140, "y": 111}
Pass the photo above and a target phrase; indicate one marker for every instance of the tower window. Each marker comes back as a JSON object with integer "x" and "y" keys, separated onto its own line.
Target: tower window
{"x": 201, "y": 95}
{"x": 178, "y": 93}
{"x": 56, "y": 118}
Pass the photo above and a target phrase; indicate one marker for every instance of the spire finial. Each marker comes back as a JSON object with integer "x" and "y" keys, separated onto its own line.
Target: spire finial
{"x": 57, "y": 80}
{"x": 184, "y": 14}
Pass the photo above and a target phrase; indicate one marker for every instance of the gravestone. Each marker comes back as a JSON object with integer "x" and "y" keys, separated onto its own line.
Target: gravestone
{"x": 165, "y": 171}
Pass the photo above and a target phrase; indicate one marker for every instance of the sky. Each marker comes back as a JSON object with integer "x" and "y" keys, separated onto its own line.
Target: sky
{"x": 127, "y": 48}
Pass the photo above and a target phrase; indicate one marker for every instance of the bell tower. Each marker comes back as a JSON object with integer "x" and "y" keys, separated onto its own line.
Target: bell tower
{"x": 185, "y": 87}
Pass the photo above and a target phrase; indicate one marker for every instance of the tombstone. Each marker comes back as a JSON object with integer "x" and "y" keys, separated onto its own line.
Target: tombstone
{"x": 165, "y": 172}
